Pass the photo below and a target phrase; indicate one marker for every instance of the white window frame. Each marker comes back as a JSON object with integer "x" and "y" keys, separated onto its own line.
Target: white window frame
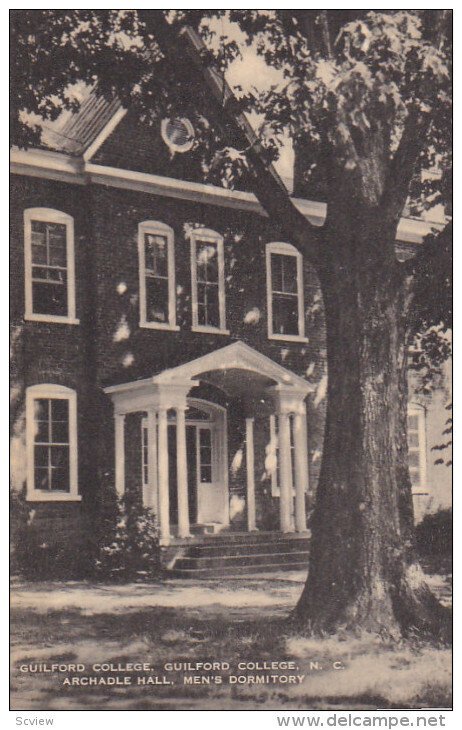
{"x": 285, "y": 249}
{"x": 50, "y": 391}
{"x": 418, "y": 411}
{"x": 157, "y": 228}
{"x": 49, "y": 215}
{"x": 209, "y": 236}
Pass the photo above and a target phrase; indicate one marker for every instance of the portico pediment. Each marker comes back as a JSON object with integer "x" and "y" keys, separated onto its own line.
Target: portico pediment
{"x": 236, "y": 368}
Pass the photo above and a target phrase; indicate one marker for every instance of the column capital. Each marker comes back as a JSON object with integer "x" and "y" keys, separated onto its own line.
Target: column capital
{"x": 288, "y": 399}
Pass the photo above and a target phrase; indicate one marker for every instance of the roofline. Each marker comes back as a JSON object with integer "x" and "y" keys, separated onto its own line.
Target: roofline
{"x": 65, "y": 168}
{"x": 107, "y": 130}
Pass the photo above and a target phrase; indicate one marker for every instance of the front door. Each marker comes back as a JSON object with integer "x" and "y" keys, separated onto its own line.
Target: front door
{"x": 206, "y": 464}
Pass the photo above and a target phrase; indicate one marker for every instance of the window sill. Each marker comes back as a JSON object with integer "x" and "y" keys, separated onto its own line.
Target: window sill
{"x": 288, "y": 338}
{"x": 160, "y": 326}
{"x": 209, "y": 330}
{"x": 53, "y": 497}
{"x": 418, "y": 492}
{"x": 52, "y": 319}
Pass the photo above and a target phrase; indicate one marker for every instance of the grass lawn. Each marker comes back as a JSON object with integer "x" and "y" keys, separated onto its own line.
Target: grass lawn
{"x": 213, "y": 621}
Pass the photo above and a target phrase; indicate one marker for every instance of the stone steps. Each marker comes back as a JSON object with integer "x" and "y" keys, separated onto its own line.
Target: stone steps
{"x": 230, "y": 555}
{"x": 236, "y": 570}
{"x": 248, "y": 548}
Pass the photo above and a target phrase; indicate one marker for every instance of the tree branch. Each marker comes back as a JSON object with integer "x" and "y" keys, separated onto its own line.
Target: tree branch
{"x": 416, "y": 128}
{"x": 267, "y": 185}
{"x": 402, "y": 166}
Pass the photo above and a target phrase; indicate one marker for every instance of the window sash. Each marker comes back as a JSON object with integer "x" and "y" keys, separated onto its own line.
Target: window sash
{"x": 157, "y": 275}
{"x": 56, "y": 452}
{"x": 45, "y": 273}
{"x": 49, "y": 266}
{"x": 208, "y": 281}
{"x": 285, "y": 297}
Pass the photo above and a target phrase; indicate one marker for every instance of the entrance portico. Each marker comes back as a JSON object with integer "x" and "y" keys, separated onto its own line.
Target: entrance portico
{"x": 263, "y": 388}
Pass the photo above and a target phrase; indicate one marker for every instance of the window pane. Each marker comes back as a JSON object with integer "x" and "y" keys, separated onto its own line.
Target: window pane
{"x": 208, "y": 308}
{"x": 41, "y": 479}
{"x": 289, "y": 274}
{"x": 39, "y": 251}
{"x": 60, "y": 456}
{"x": 49, "y": 262}
{"x": 276, "y": 272}
{"x": 60, "y": 432}
{"x": 41, "y": 456}
{"x": 414, "y": 458}
{"x": 413, "y": 439}
{"x": 57, "y": 245}
{"x": 413, "y": 423}
{"x": 207, "y": 261}
{"x": 49, "y": 298}
{"x": 60, "y": 480}
{"x": 41, "y": 426}
{"x": 59, "y": 409}
{"x": 283, "y": 273}
{"x": 156, "y": 300}
{"x": 285, "y": 314}
{"x": 204, "y": 437}
{"x": 156, "y": 254}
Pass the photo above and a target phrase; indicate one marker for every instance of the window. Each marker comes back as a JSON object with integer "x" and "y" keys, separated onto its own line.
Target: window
{"x": 157, "y": 276}
{"x": 49, "y": 266}
{"x": 417, "y": 449}
{"x": 205, "y": 455}
{"x": 284, "y": 276}
{"x": 51, "y": 415}
{"x": 178, "y": 134}
{"x": 208, "y": 282}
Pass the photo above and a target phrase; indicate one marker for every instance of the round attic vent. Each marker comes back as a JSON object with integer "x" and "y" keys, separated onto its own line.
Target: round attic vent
{"x": 178, "y": 134}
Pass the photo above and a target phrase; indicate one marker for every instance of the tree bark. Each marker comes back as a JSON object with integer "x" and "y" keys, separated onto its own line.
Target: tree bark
{"x": 363, "y": 571}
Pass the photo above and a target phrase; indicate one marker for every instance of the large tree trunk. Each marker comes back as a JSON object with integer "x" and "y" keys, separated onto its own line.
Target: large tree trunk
{"x": 363, "y": 570}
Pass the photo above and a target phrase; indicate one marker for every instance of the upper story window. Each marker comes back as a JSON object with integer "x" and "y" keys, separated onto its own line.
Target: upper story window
{"x": 51, "y": 435}
{"x": 208, "y": 281}
{"x": 284, "y": 283}
{"x": 417, "y": 448}
{"x": 157, "y": 275}
{"x": 49, "y": 266}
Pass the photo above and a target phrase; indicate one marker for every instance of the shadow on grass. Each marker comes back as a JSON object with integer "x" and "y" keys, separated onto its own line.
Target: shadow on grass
{"x": 212, "y": 633}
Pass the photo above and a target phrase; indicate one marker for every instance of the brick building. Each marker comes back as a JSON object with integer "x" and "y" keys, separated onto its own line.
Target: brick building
{"x": 167, "y": 341}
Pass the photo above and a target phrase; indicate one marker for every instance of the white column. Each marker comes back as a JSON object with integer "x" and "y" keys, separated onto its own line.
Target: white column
{"x": 151, "y": 500}
{"x": 182, "y": 474}
{"x": 163, "y": 506}
{"x": 301, "y": 470}
{"x": 285, "y": 473}
{"x": 250, "y": 463}
{"x": 119, "y": 430}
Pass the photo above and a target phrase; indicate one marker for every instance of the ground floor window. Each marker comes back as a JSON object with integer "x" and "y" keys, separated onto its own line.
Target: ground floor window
{"x": 51, "y": 414}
